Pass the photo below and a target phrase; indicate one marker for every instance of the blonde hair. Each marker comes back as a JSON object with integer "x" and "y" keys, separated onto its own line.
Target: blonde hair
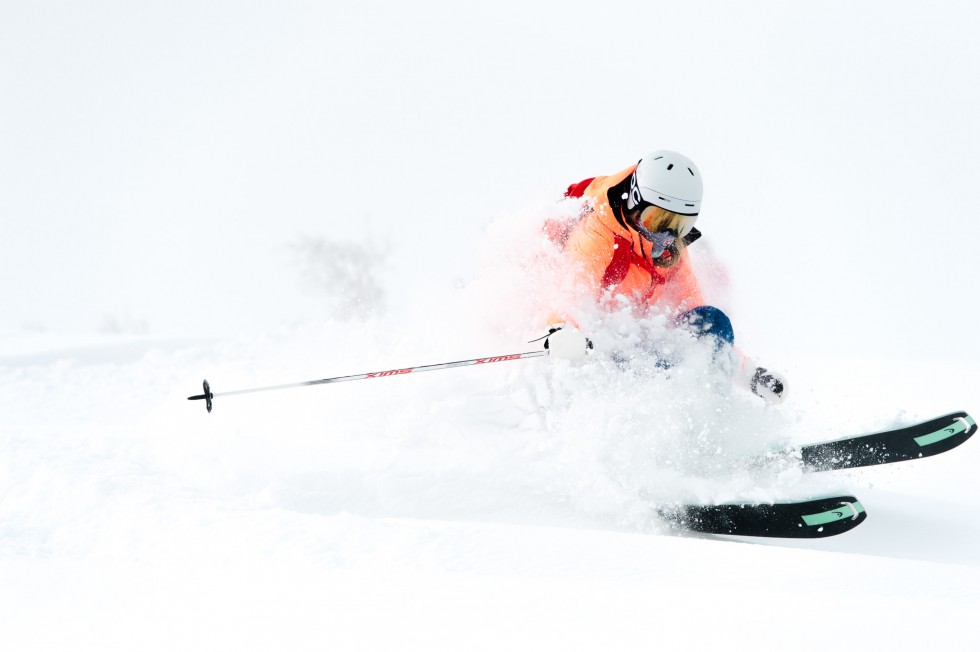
{"x": 657, "y": 219}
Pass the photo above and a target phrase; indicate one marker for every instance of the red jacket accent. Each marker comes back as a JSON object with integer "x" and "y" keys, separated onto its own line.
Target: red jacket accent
{"x": 576, "y": 190}
{"x": 623, "y": 256}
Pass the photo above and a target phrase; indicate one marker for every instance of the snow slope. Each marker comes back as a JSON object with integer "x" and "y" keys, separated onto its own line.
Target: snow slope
{"x": 496, "y": 507}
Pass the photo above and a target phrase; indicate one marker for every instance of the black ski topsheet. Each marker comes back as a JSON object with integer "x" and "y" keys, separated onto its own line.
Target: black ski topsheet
{"x": 824, "y": 517}
{"x": 897, "y": 445}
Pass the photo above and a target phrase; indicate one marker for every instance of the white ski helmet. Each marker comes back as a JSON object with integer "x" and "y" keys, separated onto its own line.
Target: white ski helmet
{"x": 668, "y": 180}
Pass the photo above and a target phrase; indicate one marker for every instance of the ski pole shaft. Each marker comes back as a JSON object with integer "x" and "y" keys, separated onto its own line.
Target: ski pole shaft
{"x": 208, "y": 396}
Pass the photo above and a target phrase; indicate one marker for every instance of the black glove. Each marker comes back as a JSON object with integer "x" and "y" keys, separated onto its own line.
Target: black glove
{"x": 769, "y": 386}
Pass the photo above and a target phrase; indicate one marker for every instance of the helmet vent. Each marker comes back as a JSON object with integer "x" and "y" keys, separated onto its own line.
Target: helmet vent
{"x": 691, "y": 171}
{"x": 670, "y": 167}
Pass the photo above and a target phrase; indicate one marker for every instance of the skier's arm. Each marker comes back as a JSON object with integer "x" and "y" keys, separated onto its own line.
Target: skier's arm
{"x": 588, "y": 252}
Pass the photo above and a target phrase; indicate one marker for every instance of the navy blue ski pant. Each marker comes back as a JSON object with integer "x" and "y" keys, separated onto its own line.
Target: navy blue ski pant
{"x": 708, "y": 321}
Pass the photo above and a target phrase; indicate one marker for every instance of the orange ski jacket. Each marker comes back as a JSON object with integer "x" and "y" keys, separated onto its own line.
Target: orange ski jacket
{"x": 611, "y": 256}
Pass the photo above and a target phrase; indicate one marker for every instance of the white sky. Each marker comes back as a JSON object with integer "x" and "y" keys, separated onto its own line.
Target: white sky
{"x": 157, "y": 158}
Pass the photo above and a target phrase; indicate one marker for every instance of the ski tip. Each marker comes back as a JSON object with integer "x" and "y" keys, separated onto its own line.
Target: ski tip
{"x": 207, "y": 396}
{"x": 944, "y": 433}
{"x": 902, "y": 444}
{"x": 969, "y": 421}
{"x": 810, "y": 519}
{"x": 831, "y": 516}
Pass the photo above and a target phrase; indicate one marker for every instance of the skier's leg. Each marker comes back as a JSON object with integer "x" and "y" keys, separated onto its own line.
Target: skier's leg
{"x": 705, "y": 323}
{"x": 708, "y": 321}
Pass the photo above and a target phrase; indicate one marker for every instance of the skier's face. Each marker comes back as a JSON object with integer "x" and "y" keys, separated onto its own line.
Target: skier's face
{"x": 659, "y": 239}
{"x": 661, "y": 227}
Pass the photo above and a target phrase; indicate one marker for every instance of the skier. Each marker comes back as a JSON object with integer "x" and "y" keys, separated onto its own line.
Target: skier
{"x": 631, "y": 241}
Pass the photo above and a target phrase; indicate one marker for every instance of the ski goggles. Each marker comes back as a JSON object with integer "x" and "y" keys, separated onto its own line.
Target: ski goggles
{"x": 660, "y": 240}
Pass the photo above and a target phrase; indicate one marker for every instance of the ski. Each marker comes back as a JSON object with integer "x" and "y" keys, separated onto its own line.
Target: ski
{"x": 912, "y": 442}
{"x": 824, "y": 517}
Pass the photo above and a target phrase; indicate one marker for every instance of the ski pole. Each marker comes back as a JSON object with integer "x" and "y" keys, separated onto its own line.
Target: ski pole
{"x": 208, "y": 396}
